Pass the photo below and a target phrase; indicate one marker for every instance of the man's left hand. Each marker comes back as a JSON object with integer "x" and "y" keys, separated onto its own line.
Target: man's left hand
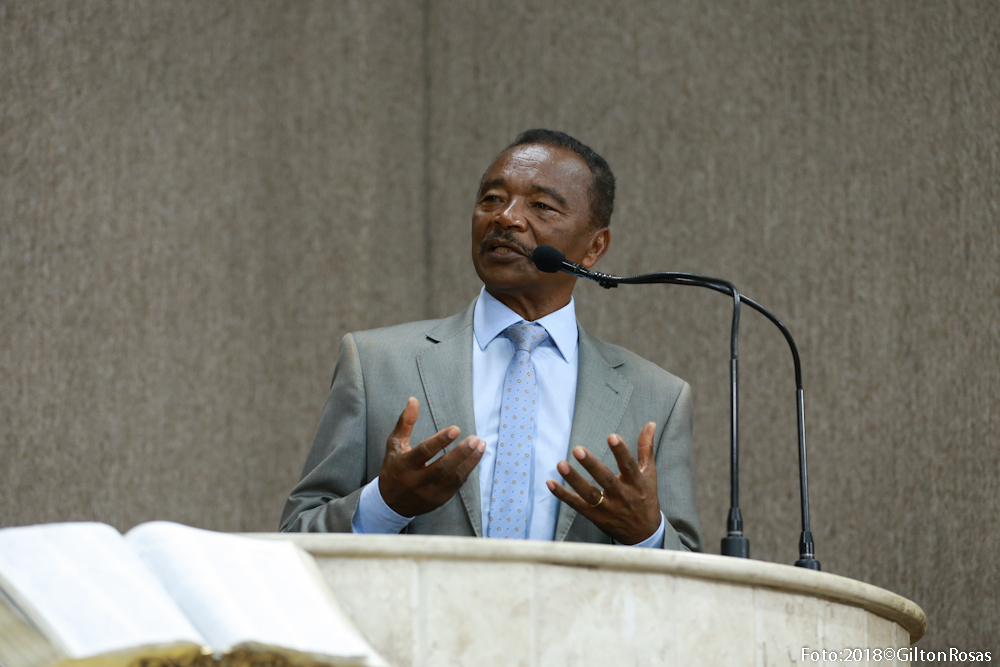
{"x": 625, "y": 506}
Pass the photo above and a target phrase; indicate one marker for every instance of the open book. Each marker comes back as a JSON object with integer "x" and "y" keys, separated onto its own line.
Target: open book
{"x": 166, "y": 595}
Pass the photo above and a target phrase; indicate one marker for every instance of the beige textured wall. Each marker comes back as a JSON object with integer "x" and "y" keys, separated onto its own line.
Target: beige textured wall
{"x": 192, "y": 195}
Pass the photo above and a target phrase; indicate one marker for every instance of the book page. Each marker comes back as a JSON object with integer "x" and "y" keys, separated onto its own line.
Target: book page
{"x": 239, "y": 590}
{"x": 21, "y": 642}
{"x": 87, "y": 591}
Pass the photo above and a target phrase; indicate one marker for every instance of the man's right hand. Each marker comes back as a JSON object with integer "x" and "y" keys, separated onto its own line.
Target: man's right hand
{"x": 409, "y": 483}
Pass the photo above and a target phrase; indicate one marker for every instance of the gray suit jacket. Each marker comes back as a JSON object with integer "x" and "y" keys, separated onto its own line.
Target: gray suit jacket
{"x": 617, "y": 392}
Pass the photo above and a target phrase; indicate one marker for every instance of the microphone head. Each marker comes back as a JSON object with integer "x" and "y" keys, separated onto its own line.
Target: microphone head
{"x": 547, "y": 259}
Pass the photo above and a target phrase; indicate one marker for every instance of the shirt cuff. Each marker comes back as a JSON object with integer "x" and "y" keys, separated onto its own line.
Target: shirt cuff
{"x": 654, "y": 541}
{"x": 373, "y": 516}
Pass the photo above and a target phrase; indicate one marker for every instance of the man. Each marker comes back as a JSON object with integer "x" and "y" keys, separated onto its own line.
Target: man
{"x": 528, "y": 386}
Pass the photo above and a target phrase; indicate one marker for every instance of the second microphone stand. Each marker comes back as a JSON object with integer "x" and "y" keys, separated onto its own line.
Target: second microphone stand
{"x": 735, "y": 543}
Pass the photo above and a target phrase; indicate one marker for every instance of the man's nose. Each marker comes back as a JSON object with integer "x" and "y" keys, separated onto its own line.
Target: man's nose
{"x": 512, "y": 215}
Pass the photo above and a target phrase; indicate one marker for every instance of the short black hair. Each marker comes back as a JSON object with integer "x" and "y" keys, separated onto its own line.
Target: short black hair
{"x": 602, "y": 187}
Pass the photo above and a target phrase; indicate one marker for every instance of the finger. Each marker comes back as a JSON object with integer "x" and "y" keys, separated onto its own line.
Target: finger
{"x": 399, "y": 439}
{"x": 600, "y": 472}
{"x": 587, "y": 491}
{"x": 466, "y": 467}
{"x": 568, "y": 497}
{"x": 627, "y": 464}
{"x": 646, "y": 456}
{"x": 449, "y": 463}
{"x": 427, "y": 449}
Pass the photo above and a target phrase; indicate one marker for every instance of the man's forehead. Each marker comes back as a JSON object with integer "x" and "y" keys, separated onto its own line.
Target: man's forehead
{"x": 532, "y": 152}
{"x": 538, "y": 161}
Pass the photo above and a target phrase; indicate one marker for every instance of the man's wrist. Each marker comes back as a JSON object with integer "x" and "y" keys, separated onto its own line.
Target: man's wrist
{"x": 374, "y": 516}
{"x": 654, "y": 541}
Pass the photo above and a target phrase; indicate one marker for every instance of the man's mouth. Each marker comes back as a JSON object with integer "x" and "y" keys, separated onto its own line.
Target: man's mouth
{"x": 502, "y": 245}
{"x": 503, "y": 250}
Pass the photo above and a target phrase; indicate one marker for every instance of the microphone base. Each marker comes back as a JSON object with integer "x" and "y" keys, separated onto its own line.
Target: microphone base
{"x": 807, "y": 552}
{"x": 736, "y": 546}
{"x": 808, "y": 563}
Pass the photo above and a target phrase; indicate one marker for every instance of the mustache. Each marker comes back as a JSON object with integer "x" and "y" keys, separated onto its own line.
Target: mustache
{"x": 507, "y": 238}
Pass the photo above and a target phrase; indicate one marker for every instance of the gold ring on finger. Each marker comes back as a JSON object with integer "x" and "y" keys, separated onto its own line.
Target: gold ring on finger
{"x": 599, "y": 501}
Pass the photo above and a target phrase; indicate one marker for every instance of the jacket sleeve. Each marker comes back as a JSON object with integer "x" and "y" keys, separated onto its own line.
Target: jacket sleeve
{"x": 327, "y": 495}
{"x": 675, "y": 477}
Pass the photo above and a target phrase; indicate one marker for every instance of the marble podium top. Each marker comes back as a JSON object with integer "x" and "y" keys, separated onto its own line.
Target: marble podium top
{"x": 784, "y": 578}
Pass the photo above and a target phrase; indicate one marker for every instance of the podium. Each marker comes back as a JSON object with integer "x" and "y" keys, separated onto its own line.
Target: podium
{"x": 443, "y": 601}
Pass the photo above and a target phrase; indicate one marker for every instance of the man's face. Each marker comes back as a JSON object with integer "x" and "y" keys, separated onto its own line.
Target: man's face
{"x": 533, "y": 195}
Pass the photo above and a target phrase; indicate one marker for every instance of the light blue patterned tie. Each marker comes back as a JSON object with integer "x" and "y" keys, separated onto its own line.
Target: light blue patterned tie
{"x": 512, "y": 469}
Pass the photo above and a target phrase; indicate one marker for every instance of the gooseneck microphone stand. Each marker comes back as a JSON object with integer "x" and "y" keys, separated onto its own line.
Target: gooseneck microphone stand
{"x": 550, "y": 260}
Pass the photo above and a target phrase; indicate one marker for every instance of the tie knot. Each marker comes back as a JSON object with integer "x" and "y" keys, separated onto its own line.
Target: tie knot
{"x": 525, "y": 335}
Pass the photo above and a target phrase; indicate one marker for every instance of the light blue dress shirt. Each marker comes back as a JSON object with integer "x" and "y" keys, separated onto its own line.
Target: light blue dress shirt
{"x": 556, "y": 366}
{"x": 555, "y": 362}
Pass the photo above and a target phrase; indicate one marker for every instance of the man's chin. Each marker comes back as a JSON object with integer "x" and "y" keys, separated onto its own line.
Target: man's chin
{"x": 523, "y": 283}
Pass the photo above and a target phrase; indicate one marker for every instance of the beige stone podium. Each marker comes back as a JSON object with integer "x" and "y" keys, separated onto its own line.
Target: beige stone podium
{"x": 442, "y": 601}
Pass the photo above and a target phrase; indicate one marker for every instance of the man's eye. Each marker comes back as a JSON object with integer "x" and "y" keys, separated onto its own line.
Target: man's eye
{"x": 543, "y": 206}
{"x": 491, "y": 198}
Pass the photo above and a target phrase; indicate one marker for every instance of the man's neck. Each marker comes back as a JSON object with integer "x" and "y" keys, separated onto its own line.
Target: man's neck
{"x": 531, "y": 309}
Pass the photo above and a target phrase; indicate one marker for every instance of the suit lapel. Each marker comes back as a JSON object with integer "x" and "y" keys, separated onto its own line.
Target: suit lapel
{"x": 602, "y": 393}
{"x": 446, "y": 374}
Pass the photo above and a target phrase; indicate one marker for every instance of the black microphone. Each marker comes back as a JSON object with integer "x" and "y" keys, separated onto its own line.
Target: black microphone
{"x": 550, "y": 260}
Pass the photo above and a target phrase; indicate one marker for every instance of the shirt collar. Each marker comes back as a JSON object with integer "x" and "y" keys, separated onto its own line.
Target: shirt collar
{"x": 491, "y": 317}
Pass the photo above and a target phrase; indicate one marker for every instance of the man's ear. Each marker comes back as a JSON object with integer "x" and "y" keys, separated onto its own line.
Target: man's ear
{"x": 599, "y": 245}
